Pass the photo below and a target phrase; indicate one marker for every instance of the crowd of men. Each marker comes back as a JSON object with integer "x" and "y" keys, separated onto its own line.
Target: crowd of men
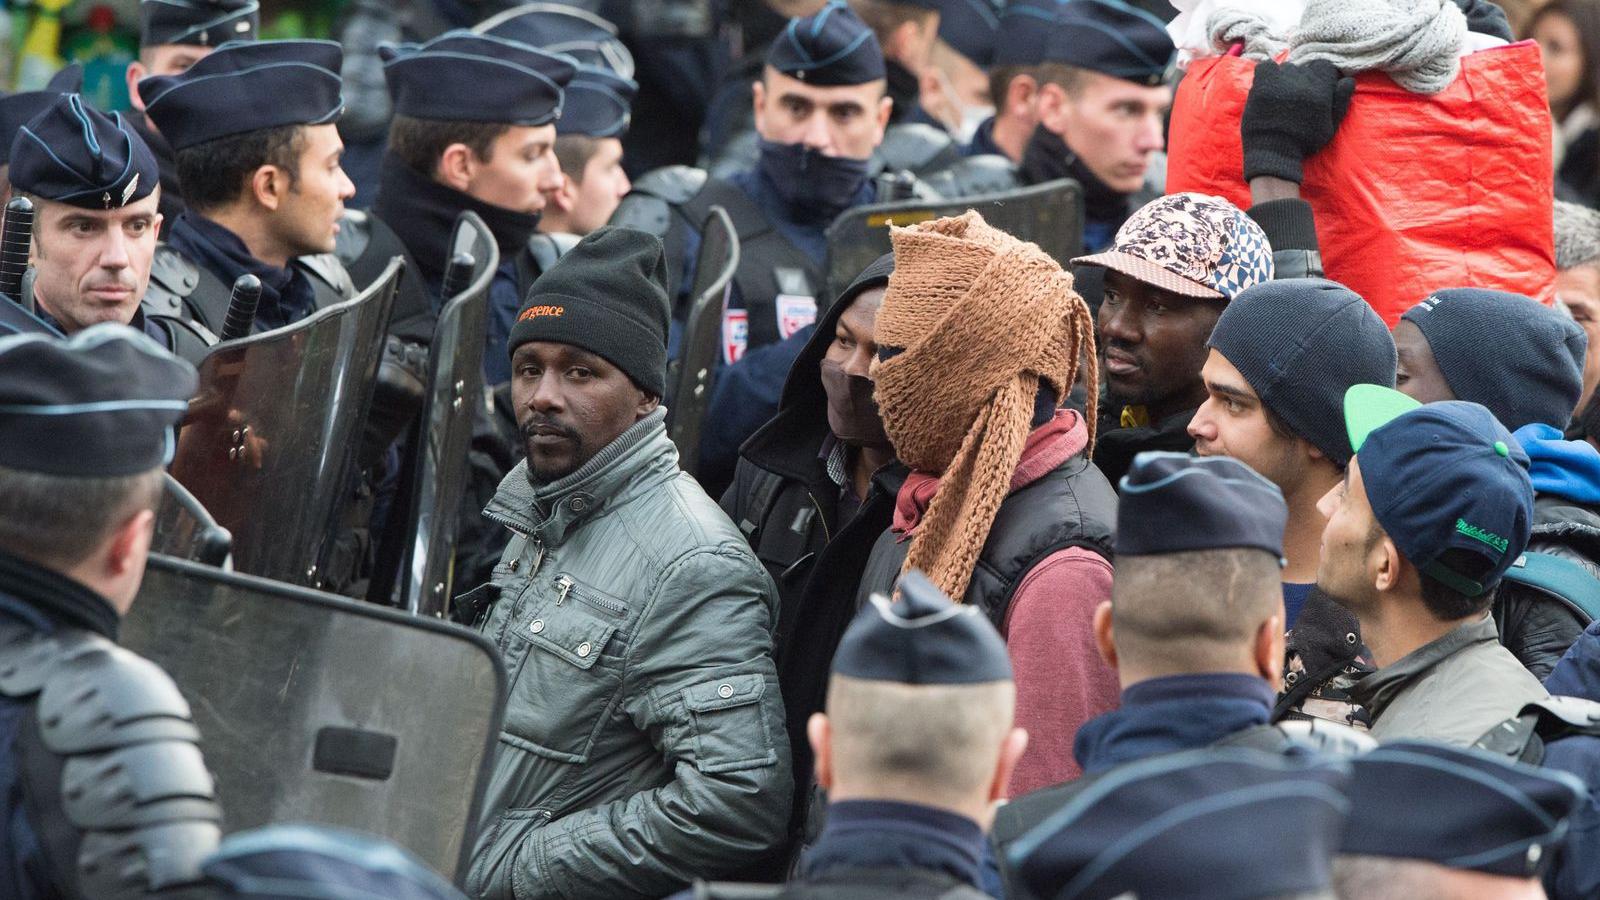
{"x": 1169, "y": 570}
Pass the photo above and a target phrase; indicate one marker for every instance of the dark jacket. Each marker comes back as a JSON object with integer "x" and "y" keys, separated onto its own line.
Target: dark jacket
{"x": 787, "y": 505}
{"x": 1116, "y": 446}
{"x": 1576, "y": 872}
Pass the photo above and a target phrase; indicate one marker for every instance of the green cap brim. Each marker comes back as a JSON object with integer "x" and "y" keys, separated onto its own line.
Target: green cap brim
{"x": 1368, "y": 407}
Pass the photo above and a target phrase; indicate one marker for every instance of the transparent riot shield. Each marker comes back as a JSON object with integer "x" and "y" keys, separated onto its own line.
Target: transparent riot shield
{"x": 269, "y": 444}
{"x": 689, "y": 383}
{"x": 316, "y": 708}
{"x": 1048, "y": 214}
{"x": 454, "y": 397}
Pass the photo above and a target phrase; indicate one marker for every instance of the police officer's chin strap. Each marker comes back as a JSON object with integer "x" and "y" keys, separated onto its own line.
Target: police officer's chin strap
{"x": 1048, "y": 158}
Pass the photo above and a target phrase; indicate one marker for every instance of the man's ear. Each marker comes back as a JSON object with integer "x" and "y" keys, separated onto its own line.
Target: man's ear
{"x": 1010, "y": 751}
{"x": 566, "y": 199}
{"x": 1053, "y": 102}
{"x": 135, "y": 72}
{"x": 268, "y": 185}
{"x": 129, "y": 545}
{"x": 455, "y": 167}
{"x": 1104, "y": 635}
{"x": 1269, "y": 650}
{"x": 647, "y": 405}
{"x": 1386, "y": 564}
{"x": 819, "y": 731}
{"x": 1021, "y": 96}
{"x": 885, "y": 109}
{"x": 903, "y": 37}
{"x": 758, "y": 101}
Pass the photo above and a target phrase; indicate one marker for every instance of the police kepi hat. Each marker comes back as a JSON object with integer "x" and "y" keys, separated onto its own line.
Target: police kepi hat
{"x": 568, "y": 30}
{"x": 1024, "y": 32}
{"x": 1460, "y": 808}
{"x": 1445, "y": 476}
{"x": 1198, "y": 825}
{"x": 1112, "y": 38}
{"x": 246, "y": 86}
{"x": 200, "y": 23}
{"x": 460, "y": 76}
{"x": 599, "y": 104}
{"x": 99, "y": 404}
{"x": 1174, "y": 502}
{"x": 921, "y": 638}
{"x": 832, "y": 47}
{"x": 75, "y": 154}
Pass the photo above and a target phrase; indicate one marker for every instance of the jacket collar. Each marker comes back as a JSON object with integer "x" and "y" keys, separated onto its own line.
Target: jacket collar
{"x": 65, "y": 602}
{"x": 1378, "y": 690}
{"x": 640, "y": 455}
{"x": 887, "y": 834}
{"x": 1165, "y": 715}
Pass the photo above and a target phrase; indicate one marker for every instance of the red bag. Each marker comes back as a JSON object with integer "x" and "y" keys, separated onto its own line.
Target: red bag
{"x": 1414, "y": 193}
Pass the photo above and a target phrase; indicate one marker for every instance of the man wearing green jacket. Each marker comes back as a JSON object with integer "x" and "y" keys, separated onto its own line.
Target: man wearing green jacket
{"x": 643, "y": 743}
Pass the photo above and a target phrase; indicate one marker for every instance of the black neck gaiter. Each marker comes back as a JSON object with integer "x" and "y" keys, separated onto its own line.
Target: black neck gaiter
{"x": 423, "y": 214}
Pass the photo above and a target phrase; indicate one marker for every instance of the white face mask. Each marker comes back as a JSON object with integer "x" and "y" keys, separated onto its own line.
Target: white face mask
{"x": 971, "y": 116}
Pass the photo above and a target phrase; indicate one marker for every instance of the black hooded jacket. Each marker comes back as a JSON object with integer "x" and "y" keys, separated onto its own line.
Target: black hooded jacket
{"x": 787, "y": 506}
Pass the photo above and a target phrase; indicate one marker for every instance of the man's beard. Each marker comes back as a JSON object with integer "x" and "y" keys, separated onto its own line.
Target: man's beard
{"x": 545, "y": 475}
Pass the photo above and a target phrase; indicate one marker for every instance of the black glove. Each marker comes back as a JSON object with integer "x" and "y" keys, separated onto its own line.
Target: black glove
{"x": 1292, "y": 112}
{"x": 1488, "y": 18}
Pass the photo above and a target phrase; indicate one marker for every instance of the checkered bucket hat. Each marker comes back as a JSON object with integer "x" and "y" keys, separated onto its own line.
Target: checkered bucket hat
{"x": 1194, "y": 245}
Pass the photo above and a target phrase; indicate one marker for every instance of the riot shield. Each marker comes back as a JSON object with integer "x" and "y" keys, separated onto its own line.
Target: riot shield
{"x": 315, "y": 708}
{"x": 1048, "y": 214}
{"x": 689, "y": 383}
{"x": 269, "y": 444}
{"x": 455, "y": 396}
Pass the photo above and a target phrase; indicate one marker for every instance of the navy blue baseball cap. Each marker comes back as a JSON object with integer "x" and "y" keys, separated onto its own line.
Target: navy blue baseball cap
{"x": 199, "y": 23}
{"x": 1445, "y": 476}
{"x": 1174, "y": 502}
{"x": 1112, "y": 38}
{"x": 246, "y": 86}
{"x": 460, "y": 76}
{"x": 1464, "y": 809}
{"x": 568, "y": 30}
{"x": 970, "y": 28}
{"x": 832, "y": 47}
{"x": 17, "y": 110}
{"x": 921, "y": 638}
{"x": 99, "y": 404}
{"x": 1200, "y": 824}
{"x": 75, "y": 154}
{"x": 599, "y": 104}
{"x": 1025, "y": 27}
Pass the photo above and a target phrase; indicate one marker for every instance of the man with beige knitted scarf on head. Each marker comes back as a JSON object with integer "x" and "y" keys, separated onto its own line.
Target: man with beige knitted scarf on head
{"x": 980, "y": 337}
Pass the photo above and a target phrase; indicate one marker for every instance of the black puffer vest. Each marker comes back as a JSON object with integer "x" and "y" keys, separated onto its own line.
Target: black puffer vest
{"x": 1071, "y": 506}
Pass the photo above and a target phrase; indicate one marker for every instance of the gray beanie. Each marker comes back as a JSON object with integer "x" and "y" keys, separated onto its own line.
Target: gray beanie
{"x": 1522, "y": 360}
{"x": 1301, "y": 343}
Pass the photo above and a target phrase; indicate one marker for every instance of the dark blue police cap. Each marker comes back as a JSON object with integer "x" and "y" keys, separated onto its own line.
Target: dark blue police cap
{"x": 559, "y": 28}
{"x": 246, "y": 86}
{"x": 970, "y": 27}
{"x": 599, "y": 104}
{"x": 1202, "y": 824}
{"x": 460, "y": 76}
{"x": 1445, "y": 476}
{"x": 1460, "y": 808}
{"x": 202, "y": 23}
{"x": 280, "y": 861}
{"x": 831, "y": 48}
{"x": 75, "y": 154}
{"x": 1112, "y": 38}
{"x": 921, "y": 638}
{"x": 99, "y": 404}
{"x": 1174, "y": 502}
{"x": 1025, "y": 28}
{"x": 17, "y": 110}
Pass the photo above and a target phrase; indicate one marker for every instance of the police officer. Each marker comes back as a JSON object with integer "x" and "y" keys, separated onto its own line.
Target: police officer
{"x": 474, "y": 129}
{"x": 1428, "y": 820}
{"x": 95, "y": 189}
{"x": 820, "y": 109}
{"x": 257, "y": 150}
{"x": 174, "y": 35}
{"x": 916, "y": 746}
{"x": 17, "y": 109}
{"x": 1019, "y": 42}
{"x": 1210, "y": 824}
{"x": 105, "y": 794}
{"x": 1102, "y": 109}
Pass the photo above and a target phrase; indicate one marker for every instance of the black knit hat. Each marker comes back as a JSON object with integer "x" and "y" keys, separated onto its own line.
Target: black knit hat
{"x": 1522, "y": 360}
{"x": 1301, "y": 343}
{"x": 607, "y": 295}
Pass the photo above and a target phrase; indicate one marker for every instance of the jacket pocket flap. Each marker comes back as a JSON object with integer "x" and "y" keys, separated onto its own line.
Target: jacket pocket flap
{"x": 729, "y": 691}
{"x": 577, "y": 639}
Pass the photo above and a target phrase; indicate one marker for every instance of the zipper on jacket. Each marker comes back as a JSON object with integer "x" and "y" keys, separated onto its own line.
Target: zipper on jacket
{"x": 571, "y": 588}
{"x": 565, "y": 585}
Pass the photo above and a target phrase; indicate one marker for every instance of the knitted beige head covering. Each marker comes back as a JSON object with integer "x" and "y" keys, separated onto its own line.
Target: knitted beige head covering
{"x": 982, "y": 318}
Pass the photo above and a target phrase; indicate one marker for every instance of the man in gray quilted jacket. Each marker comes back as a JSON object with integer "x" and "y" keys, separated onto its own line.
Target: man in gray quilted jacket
{"x": 643, "y": 742}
